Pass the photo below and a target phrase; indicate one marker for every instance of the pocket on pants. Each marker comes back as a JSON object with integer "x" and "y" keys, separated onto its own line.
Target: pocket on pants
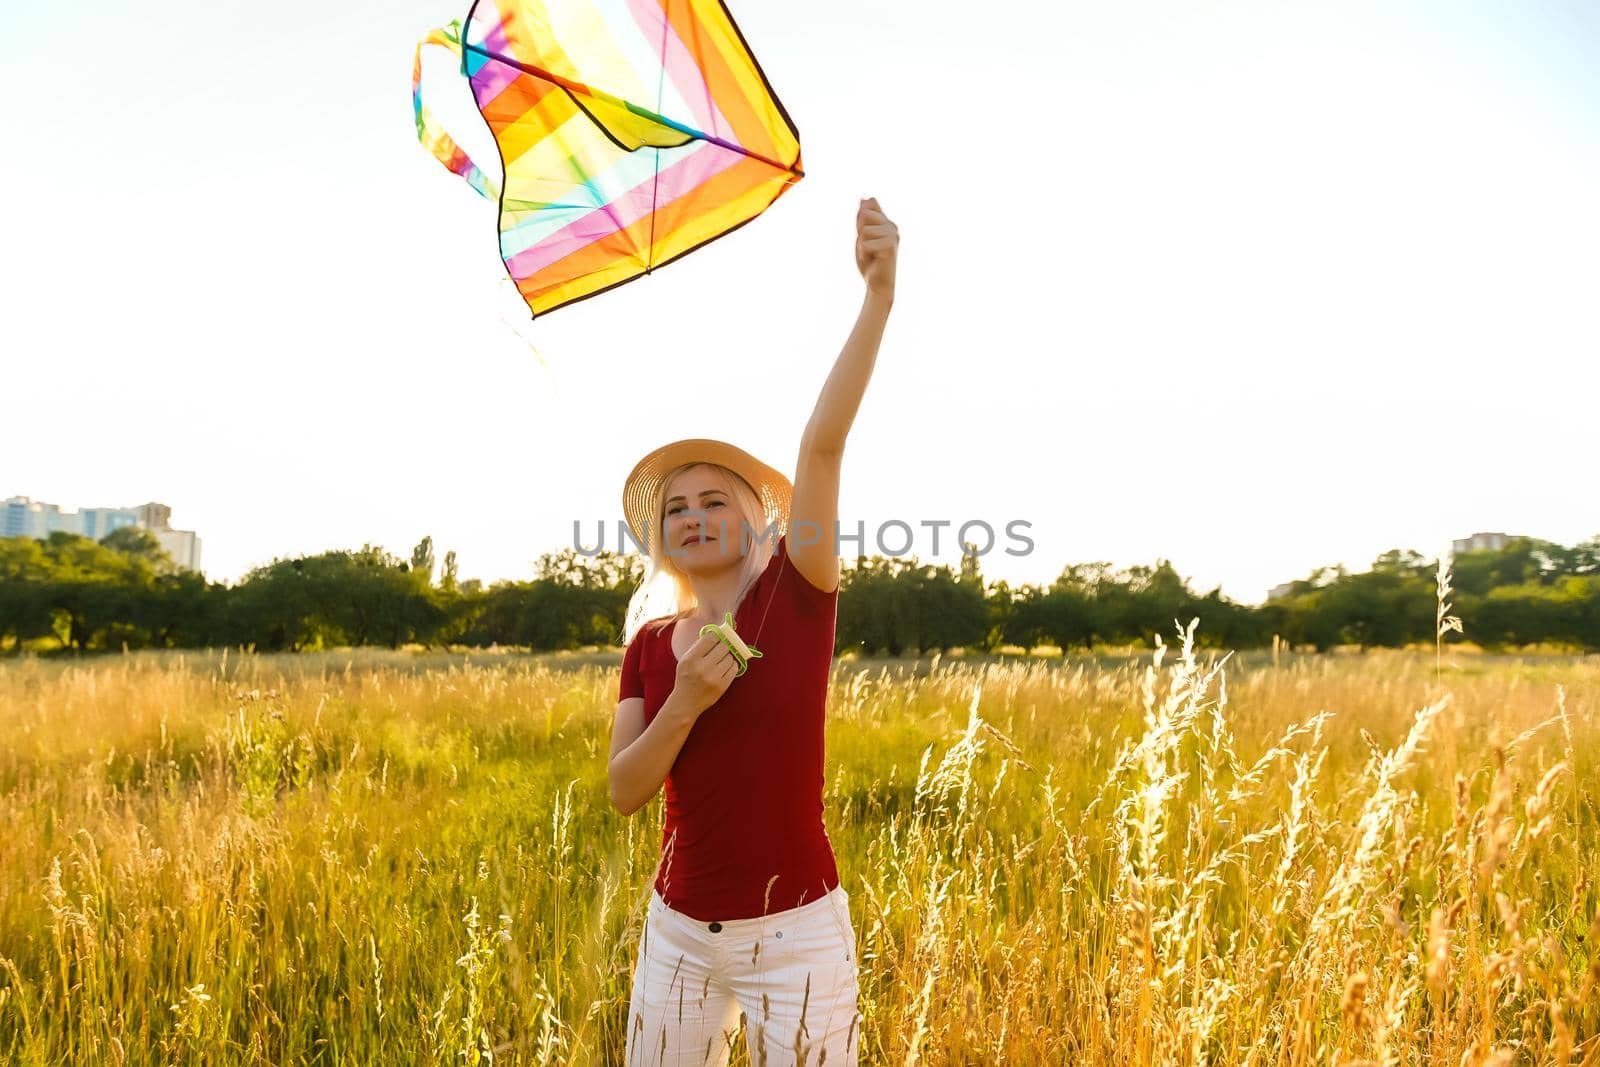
{"x": 825, "y": 936}
{"x": 677, "y": 934}
{"x": 847, "y": 930}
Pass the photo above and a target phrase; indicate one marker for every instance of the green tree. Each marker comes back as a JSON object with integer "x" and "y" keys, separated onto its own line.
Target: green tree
{"x": 25, "y": 612}
{"x": 90, "y": 588}
{"x": 422, "y": 559}
{"x": 139, "y": 543}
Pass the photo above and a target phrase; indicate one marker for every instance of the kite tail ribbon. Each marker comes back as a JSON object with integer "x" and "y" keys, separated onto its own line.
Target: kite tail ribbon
{"x": 433, "y": 138}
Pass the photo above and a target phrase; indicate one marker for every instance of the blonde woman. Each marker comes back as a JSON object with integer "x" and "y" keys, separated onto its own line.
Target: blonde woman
{"x": 748, "y": 920}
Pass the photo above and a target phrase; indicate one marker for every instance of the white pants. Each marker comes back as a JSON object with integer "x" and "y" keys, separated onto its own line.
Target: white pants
{"x": 791, "y": 974}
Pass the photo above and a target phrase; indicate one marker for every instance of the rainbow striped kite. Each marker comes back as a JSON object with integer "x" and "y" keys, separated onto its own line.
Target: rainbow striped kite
{"x": 631, "y": 132}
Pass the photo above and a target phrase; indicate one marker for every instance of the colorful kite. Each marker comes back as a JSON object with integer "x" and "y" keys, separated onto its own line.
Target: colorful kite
{"x": 630, "y": 132}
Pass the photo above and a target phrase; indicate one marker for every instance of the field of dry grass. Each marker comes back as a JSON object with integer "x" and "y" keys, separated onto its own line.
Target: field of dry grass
{"x": 390, "y": 858}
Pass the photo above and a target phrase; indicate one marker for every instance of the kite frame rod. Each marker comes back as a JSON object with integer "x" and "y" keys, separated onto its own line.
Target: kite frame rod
{"x": 616, "y": 101}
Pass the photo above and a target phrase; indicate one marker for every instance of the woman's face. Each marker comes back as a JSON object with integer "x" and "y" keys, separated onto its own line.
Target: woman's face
{"x": 702, "y": 522}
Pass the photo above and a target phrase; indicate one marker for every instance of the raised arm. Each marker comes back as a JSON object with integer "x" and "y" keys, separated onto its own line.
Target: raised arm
{"x": 815, "y": 507}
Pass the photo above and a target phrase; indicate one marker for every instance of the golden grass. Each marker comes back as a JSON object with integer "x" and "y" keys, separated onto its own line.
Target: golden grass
{"x": 371, "y": 858}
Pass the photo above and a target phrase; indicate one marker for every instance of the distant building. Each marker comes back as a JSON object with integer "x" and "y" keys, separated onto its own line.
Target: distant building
{"x": 182, "y": 545}
{"x": 1278, "y": 592}
{"x": 36, "y": 519}
{"x": 27, "y": 518}
{"x": 1482, "y": 542}
{"x": 23, "y": 517}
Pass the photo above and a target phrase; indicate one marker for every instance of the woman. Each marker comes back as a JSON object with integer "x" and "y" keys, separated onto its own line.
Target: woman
{"x": 747, "y": 915}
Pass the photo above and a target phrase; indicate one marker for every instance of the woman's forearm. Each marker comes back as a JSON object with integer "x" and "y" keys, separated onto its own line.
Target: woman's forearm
{"x": 841, "y": 395}
{"x": 637, "y": 771}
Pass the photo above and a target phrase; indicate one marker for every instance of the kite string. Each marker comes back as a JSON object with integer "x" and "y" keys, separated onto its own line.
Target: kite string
{"x": 762, "y": 625}
{"x": 515, "y": 317}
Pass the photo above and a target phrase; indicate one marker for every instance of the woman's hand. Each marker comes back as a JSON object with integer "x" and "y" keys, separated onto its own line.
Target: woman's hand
{"x": 877, "y": 244}
{"x": 704, "y": 673}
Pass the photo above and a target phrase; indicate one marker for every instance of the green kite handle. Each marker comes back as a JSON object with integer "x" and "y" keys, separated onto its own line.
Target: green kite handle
{"x": 724, "y": 631}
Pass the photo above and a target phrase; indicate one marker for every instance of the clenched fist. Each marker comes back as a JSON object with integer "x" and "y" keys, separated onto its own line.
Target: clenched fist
{"x": 704, "y": 673}
{"x": 877, "y": 245}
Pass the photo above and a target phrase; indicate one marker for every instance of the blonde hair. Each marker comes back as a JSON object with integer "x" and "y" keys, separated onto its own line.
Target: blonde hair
{"x": 665, "y": 590}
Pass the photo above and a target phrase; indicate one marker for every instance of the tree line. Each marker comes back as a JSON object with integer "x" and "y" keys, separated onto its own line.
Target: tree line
{"x": 71, "y": 593}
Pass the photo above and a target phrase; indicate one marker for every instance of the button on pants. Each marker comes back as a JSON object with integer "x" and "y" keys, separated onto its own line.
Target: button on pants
{"x": 791, "y": 974}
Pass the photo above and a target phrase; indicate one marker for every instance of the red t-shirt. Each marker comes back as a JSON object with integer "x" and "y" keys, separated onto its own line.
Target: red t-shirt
{"x": 744, "y": 796}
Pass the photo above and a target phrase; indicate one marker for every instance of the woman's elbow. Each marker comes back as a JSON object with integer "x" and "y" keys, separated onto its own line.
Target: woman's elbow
{"x": 620, "y": 802}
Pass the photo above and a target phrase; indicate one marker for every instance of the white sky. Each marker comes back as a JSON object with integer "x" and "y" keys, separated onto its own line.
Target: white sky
{"x": 1256, "y": 287}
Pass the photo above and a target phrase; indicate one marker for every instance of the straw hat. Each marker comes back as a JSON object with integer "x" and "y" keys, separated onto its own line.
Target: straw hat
{"x": 639, "y": 492}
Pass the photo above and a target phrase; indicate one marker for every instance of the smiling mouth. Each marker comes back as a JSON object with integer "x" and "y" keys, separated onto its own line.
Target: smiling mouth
{"x": 687, "y": 541}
